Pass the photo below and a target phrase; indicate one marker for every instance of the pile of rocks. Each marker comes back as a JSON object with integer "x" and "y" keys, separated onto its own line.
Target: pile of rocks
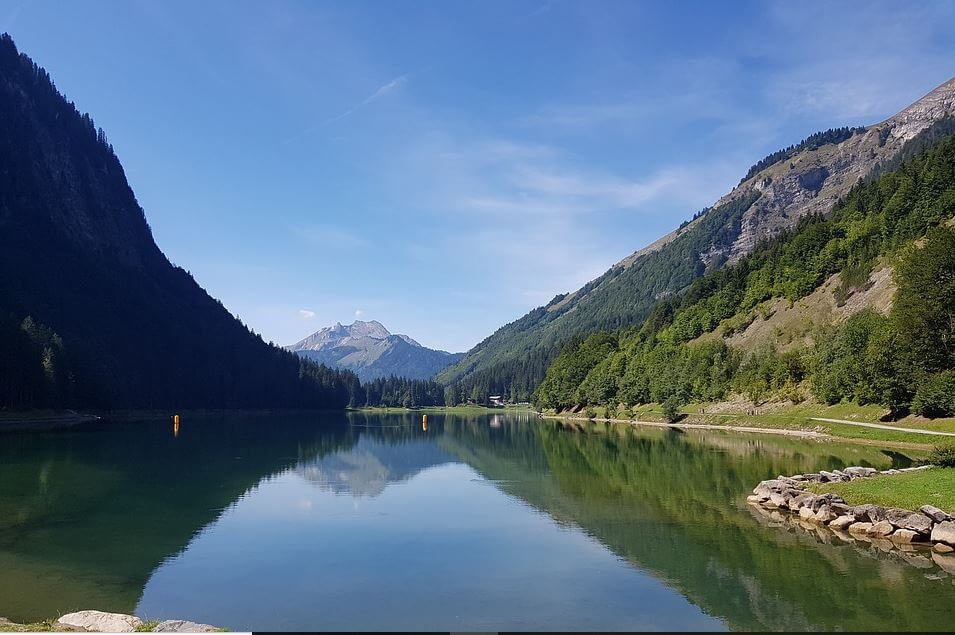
{"x": 901, "y": 526}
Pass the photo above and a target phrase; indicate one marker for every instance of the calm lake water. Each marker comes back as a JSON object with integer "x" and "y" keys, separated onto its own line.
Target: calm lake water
{"x": 366, "y": 522}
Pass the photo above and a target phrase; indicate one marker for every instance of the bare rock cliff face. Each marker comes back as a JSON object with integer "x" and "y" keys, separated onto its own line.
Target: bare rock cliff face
{"x": 814, "y": 180}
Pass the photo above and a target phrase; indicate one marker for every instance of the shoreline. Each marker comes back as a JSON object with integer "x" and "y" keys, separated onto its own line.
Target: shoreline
{"x": 801, "y": 500}
{"x": 789, "y": 432}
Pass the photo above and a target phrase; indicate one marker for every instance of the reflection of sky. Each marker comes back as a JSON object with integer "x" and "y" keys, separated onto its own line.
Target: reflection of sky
{"x": 441, "y": 550}
{"x": 368, "y": 467}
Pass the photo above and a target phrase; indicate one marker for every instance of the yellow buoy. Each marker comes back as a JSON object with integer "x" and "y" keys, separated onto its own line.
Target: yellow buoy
{"x": 175, "y": 419}
{"x": 424, "y": 422}
{"x": 175, "y": 425}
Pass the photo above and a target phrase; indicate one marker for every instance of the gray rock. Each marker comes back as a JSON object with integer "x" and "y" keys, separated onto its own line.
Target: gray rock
{"x": 941, "y": 547}
{"x": 860, "y": 472}
{"x": 904, "y": 536}
{"x": 946, "y": 562}
{"x": 881, "y": 529}
{"x": 752, "y": 499}
{"x": 876, "y": 514}
{"x": 904, "y": 519}
{"x": 839, "y": 509}
{"x": 935, "y": 513}
{"x": 778, "y": 499}
{"x": 829, "y": 477}
{"x": 806, "y": 513}
{"x": 823, "y": 515}
{"x": 802, "y": 500}
{"x": 101, "y": 622}
{"x": 183, "y": 626}
{"x": 944, "y": 532}
{"x": 859, "y": 528}
{"x": 842, "y": 522}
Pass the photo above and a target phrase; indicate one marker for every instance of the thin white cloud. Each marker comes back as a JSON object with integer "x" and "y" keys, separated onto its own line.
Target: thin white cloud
{"x": 359, "y": 313}
{"x": 380, "y": 92}
{"x": 305, "y": 314}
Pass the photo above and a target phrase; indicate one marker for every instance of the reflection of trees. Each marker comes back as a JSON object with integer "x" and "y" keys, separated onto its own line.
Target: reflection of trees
{"x": 670, "y": 504}
{"x": 87, "y": 514}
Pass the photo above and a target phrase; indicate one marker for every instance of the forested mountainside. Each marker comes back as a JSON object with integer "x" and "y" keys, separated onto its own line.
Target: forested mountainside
{"x": 807, "y": 178}
{"x": 92, "y": 314}
{"x": 371, "y": 351}
{"x": 903, "y": 357}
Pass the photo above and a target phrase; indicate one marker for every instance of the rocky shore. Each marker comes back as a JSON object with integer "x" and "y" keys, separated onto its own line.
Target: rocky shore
{"x": 928, "y": 527}
{"x": 101, "y": 622}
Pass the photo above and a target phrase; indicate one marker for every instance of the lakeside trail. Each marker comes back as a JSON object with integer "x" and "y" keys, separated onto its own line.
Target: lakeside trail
{"x": 809, "y": 434}
{"x": 804, "y": 434}
{"x": 880, "y": 426}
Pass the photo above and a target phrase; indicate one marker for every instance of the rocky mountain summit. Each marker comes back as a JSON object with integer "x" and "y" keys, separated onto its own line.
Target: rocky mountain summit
{"x": 372, "y": 351}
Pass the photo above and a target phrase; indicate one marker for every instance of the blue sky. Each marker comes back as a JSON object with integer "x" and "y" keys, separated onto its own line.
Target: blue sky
{"x": 443, "y": 167}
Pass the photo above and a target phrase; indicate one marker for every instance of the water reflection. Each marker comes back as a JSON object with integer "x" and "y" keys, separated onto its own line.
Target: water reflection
{"x": 369, "y": 466}
{"x": 511, "y": 523}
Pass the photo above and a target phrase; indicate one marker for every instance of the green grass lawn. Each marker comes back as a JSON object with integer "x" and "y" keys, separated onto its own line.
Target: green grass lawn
{"x": 798, "y": 417}
{"x": 909, "y": 490}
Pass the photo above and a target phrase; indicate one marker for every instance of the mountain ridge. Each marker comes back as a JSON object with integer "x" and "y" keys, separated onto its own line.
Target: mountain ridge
{"x": 513, "y": 359}
{"x": 92, "y": 313}
{"x": 371, "y": 351}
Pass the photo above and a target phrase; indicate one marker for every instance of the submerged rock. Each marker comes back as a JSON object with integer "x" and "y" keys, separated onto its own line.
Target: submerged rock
{"x": 100, "y": 621}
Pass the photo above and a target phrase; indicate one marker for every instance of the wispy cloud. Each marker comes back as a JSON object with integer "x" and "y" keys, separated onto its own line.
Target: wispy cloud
{"x": 381, "y": 91}
{"x": 305, "y": 314}
{"x": 359, "y": 313}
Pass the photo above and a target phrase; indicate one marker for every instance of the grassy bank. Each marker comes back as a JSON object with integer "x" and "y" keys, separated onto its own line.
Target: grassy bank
{"x": 798, "y": 417}
{"x": 909, "y": 490}
{"x": 463, "y": 410}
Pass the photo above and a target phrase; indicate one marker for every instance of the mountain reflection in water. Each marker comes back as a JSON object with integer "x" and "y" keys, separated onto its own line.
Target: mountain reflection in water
{"x": 371, "y": 521}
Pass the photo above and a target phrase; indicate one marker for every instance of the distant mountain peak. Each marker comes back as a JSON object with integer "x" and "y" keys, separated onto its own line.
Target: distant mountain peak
{"x": 371, "y": 350}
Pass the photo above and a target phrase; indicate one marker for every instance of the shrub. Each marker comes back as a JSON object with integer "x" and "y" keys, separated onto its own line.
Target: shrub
{"x": 590, "y": 413}
{"x": 936, "y": 396}
{"x": 943, "y": 455}
{"x": 671, "y": 409}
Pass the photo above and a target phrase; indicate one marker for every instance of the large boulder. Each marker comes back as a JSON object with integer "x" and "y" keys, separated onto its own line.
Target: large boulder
{"x": 101, "y": 622}
{"x": 859, "y": 528}
{"x": 881, "y": 529}
{"x": 823, "y": 515}
{"x": 842, "y": 522}
{"x": 904, "y": 519}
{"x": 904, "y": 536}
{"x": 876, "y": 514}
{"x": 804, "y": 499}
{"x": 935, "y": 513}
{"x": 183, "y": 626}
{"x": 946, "y": 562}
{"x": 944, "y": 532}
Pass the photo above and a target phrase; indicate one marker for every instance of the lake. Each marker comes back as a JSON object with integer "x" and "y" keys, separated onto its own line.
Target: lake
{"x": 499, "y": 522}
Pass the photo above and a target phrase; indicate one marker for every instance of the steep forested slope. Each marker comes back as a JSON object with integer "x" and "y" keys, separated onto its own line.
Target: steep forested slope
{"x": 92, "y": 314}
{"x": 903, "y": 359}
{"x": 805, "y": 179}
